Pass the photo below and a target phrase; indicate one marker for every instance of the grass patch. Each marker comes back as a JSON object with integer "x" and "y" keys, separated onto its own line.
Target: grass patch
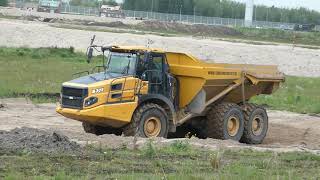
{"x": 178, "y": 164}
{"x": 297, "y": 94}
{"x": 282, "y": 36}
{"x": 38, "y": 73}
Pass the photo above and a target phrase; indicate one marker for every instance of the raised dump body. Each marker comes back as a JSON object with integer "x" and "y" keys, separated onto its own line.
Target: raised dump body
{"x": 151, "y": 92}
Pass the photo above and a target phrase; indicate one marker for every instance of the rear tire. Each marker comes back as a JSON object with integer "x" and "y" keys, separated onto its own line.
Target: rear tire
{"x": 225, "y": 121}
{"x": 255, "y": 124}
{"x": 149, "y": 120}
{"x": 100, "y": 130}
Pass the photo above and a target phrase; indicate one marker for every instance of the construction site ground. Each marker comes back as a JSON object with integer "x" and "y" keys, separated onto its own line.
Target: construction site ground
{"x": 287, "y": 131}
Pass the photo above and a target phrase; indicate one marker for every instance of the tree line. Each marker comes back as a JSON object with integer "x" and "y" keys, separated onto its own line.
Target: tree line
{"x": 224, "y": 9}
{"x": 3, "y": 2}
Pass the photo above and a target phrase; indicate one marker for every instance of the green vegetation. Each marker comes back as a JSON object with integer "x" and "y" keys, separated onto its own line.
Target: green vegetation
{"x": 3, "y": 2}
{"x": 225, "y": 9}
{"x": 298, "y": 94}
{"x": 176, "y": 161}
{"x": 282, "y": 36}
{"x": 38, "y": 74}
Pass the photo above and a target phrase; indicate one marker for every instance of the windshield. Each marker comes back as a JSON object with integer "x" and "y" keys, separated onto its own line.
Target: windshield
{"x": 122, "y": 63}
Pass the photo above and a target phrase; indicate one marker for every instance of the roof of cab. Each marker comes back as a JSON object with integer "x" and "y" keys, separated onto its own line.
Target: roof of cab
{"x": 139, "y": 48}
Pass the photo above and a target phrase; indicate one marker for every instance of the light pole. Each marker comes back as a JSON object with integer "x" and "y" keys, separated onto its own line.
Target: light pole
{"x": 152, "y": 6}
{"x": 255, "y": 13}
{"x": 194, "y": 15}
{"x": 180, "y": 12}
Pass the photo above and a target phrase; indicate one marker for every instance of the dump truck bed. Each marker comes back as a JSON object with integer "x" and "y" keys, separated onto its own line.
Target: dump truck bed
{"x": 213, "y": 78}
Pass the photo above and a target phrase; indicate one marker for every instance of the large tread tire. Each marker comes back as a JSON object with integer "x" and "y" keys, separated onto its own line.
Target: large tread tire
{"x": 99, "y": 130}
{"x": 217, "y": 121}
{"x": 250, "y": 112}
{"x": 145, "y": 111}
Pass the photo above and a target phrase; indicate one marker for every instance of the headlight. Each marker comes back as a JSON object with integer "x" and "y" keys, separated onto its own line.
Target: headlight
{"x": 90, "y": 101}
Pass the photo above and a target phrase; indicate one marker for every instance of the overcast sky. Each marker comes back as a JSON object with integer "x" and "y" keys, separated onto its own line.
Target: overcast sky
{"x": 311, "y": 4}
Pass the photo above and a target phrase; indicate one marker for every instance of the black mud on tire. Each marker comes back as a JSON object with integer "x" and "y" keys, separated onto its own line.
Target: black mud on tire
{"x": 217, "y": 121}
{"x": 250, "y": 113}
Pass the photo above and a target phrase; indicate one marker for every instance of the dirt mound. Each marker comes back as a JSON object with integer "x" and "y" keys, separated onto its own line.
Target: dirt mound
{"x": 35, "y": 140}
{"x": 197, "y": 29}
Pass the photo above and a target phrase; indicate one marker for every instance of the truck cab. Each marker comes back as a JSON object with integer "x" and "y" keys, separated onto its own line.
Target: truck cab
{"x": 128, "y": 78}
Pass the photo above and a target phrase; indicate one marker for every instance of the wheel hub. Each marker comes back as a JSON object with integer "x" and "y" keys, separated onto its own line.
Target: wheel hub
{"x": 233, "y": 125}
{"x": 152, "y": 127}
{"x": 257, "y": 125}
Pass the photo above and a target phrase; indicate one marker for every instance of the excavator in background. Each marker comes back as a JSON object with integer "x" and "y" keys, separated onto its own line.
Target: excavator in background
{"x": 149, "y": 92}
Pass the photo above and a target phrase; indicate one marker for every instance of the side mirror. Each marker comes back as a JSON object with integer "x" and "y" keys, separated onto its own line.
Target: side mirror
{"x": 89, "y": 54}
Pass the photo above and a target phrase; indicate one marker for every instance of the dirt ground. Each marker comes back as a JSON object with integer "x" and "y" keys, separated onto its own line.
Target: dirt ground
{"x": 287, "y": 131}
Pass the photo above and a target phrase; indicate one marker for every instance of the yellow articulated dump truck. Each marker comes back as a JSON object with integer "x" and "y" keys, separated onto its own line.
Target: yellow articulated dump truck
{"x": 150, "y": 93}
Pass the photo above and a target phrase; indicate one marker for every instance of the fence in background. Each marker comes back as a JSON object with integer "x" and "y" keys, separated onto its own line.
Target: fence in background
{"x": 190, "y": 19}
{"x": 87, "y": 11}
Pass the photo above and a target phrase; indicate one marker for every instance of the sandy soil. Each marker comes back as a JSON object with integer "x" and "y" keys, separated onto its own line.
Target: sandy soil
{"x": 291, "y": 61}
{"x": 287, "y": 131}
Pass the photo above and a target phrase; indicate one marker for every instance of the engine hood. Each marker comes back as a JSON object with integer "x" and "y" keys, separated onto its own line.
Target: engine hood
{"x": 94, "y": 78}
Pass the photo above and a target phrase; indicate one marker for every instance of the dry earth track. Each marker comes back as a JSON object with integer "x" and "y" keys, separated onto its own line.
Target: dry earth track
{"x": 287, "y": 131}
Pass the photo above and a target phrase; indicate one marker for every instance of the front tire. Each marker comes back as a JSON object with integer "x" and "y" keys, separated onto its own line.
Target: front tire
{"x": 149, "y": 120}
{"x": 255, "y": 124}
{"x": 225, "y": 121}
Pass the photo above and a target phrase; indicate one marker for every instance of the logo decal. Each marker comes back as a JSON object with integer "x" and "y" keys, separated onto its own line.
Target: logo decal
{"x": 98, "y": 90}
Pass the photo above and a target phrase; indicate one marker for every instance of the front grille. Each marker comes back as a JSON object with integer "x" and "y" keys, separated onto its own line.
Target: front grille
{"x": 73, "y": 97}
{"x": 73, "y": 91}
